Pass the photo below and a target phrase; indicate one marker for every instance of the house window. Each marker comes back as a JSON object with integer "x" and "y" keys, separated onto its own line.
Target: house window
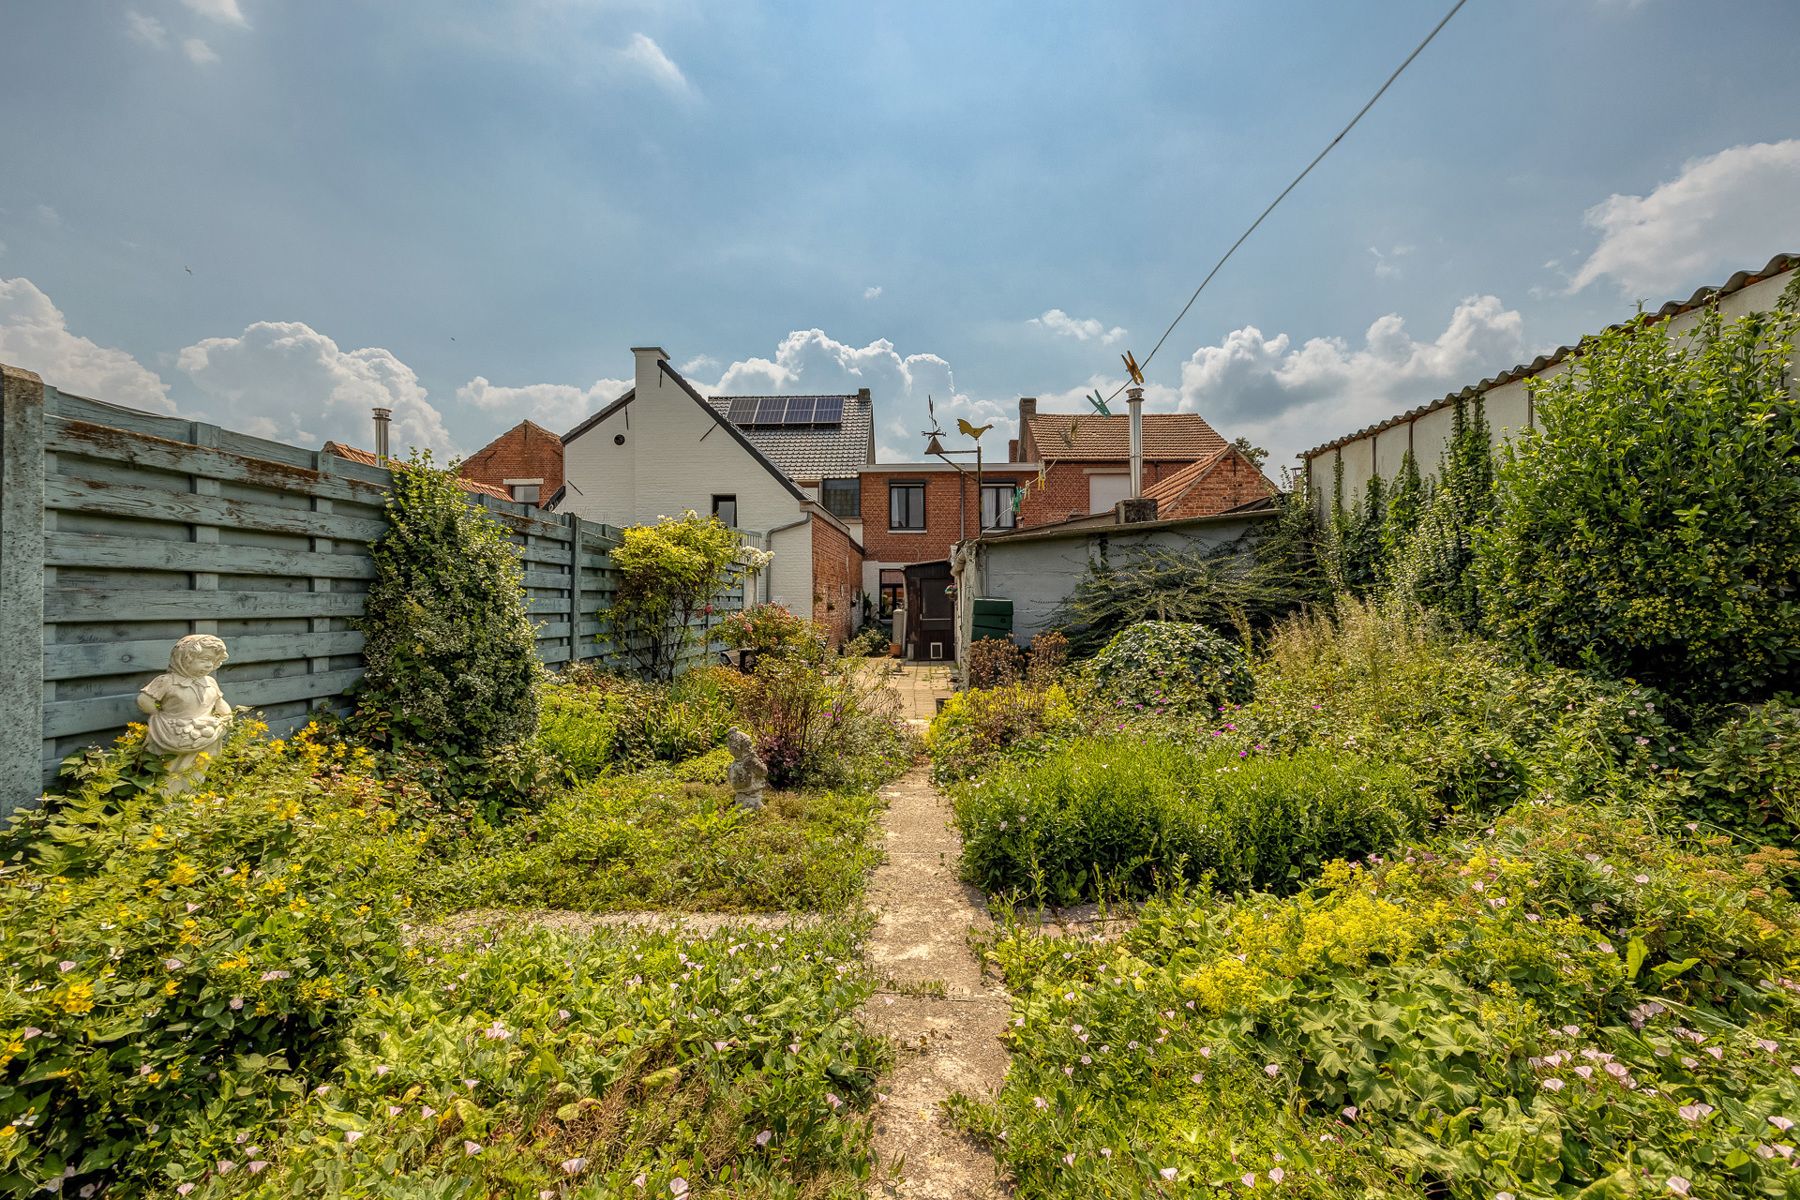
{"x": 893, "y": 593}
{"x": 906, "y": 506}
{"x": 525, "y": 493}
{"x": 725, "y": 509}
{"x": 842, "y": 497}
{"x": 1105, "y": 491}
{"x": 997, "y": 505}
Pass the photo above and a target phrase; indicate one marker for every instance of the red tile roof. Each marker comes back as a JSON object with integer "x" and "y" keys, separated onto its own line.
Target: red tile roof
{"x": 367, "y": 459}
{"x": 1090, "y": 436}
{"x": 1171, "y": 488}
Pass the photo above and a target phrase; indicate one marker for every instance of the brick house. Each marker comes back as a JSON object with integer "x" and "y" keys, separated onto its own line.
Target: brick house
{"x": 1188, "y": 468}
{"x": 525, "y": 462}
{"x": 368, "y": 459}
{"x": 779, "y": 468}
{"x": 913, "y": 513}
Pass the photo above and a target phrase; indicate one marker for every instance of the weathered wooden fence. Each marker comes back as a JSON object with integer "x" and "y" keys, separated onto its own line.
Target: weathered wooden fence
{"x": 122, "y": 531}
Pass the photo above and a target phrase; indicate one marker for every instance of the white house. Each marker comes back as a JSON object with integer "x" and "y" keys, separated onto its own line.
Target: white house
{"x": 771, "y": 466}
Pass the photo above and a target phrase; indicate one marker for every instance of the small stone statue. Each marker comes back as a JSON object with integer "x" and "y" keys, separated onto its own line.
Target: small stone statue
{"x": 188, "y": 715}
{"x": 748, "y": 775}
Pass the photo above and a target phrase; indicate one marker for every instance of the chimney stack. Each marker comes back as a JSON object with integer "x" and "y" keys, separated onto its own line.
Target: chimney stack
{"x": 382, "y": 415}
{"x": 1134, "y": 397}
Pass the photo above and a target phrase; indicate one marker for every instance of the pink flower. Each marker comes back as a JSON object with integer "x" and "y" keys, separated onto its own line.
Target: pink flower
{"x": 831, "y": 1098}
{"x": 1781, "y": 1123}
{"x": 471, "y": 1148}
{"x": 1678, "y": 1185}
{"x": 1038, "y": 1102}
{"x": 352, "y": 1137}
{"x": 1553, "y": 1084}
{"x": 256, "y": 1165}
{"x": 1695, "y": 1112}
{"x": 1350, "y": 1112}
{"x": 1168, "y": 1172}
{"x": 184, "y": 1189}
{"x": 1248, "y": 1179}
{"x": 678, "y": 1185}
{"x": 572, "y": 1166}
{"x": 1272, "y": 1070}
{"x": 762, "y": 1139}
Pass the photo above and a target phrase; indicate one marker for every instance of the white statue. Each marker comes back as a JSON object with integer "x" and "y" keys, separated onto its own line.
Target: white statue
{"x": 748, "y": 774}
{"x": 188, "y": 715}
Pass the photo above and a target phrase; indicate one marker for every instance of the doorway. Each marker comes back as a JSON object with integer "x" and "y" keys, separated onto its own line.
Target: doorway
{"x": 930, "y": 613}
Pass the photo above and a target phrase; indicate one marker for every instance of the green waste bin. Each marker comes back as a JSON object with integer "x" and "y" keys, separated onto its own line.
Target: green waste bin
{"x": 993, "y": 618}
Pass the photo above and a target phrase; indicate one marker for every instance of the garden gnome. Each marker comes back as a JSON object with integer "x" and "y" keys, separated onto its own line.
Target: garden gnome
{"x": 188, "y": 716}
{"x": 748, "y": 775}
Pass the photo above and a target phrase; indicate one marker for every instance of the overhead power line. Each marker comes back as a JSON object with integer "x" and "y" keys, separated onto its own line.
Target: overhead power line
{"x": 1317, "y": 159}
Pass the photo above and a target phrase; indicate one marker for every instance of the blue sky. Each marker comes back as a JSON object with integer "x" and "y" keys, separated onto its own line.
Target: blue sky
{"x": 274, "y": 214}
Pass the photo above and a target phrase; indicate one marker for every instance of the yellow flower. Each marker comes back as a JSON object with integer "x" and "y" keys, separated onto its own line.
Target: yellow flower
{"x": 76, "y": 997}
{"x": 183, "y": 873}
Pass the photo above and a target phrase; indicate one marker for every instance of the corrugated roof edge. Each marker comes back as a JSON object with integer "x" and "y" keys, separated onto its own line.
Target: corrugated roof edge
{"x": 1088, "y": 523}
{"x": 1778, "y": 265}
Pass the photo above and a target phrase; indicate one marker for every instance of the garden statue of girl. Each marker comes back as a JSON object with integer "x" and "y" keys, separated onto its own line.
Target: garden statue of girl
{"x": 748, "y": 774}
{"x": 188, "y": 716}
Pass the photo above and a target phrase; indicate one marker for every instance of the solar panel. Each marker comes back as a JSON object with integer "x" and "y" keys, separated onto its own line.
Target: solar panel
{"x": 742, "y": 410}
{"x": 784, "y": 411}
{"x": 800, "y": 410}
{"x": 829, "y": 411}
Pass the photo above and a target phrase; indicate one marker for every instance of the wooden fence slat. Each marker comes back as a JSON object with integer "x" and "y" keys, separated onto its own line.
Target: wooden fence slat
{"x": 84, "y": 660}
{"x": 106, "y": 550}
{"x": 167, "y": 454}
{"x": 125, "y": 604}
{"x": 65, "y": 494}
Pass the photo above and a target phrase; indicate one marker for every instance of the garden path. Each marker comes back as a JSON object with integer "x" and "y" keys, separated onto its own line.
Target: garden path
{"x": 946, "y": 1017}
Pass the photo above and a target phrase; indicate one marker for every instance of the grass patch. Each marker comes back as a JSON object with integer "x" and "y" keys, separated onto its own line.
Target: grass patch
{"x": 656, "y": 842}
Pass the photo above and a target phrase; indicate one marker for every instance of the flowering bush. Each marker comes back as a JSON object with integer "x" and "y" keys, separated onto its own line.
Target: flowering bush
{"x": 1165, "y": 665}
{"x": 1129, "y": 815}
{"x": 771, "y": 630}
{"x": 1747, "y": 775}
{"x": 1568, "y": 1001}
{"x": 178, "y": 966}
{"x": 826, "y": 728}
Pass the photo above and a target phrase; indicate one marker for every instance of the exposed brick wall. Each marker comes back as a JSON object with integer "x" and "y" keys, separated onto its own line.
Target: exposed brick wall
{"x": 1066, "y": 490}
{"x": 940, "y": 512}
{"x": 526, "y": 451}
{"x": 1234, "y": 481}
{"x": 837, "y": 578}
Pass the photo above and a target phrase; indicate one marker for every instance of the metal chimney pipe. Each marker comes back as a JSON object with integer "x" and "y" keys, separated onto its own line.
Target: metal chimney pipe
{"x": 381, "y": 435}
{"x": 1134, "y": 397}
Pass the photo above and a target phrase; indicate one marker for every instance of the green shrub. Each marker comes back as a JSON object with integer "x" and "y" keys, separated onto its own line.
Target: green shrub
{"x": 1747, "y": 775}
{"x": 656, "y": 842}
{"x": 1565, "y": 1004}
{"x": 1169, "y": 666}
{"x": 994, "y": 662}
{"x": 594, "y": 722}
{"x": 977, "y": 726}
{"x": 1649, "y": 523}
{"x": 1390, "y": 681}
{"x": 451, "y": 655}
{"x": 1131, "y": 815}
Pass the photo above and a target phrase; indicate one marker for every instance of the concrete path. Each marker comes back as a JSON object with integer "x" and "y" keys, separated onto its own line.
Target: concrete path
{"x": 945, "y": 1017}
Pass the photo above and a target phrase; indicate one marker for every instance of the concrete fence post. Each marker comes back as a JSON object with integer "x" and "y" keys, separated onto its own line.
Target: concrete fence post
{"x": 21, "y": 588}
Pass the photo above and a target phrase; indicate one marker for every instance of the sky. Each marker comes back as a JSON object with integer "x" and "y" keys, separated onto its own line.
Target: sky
{"x": 274, "y": 215}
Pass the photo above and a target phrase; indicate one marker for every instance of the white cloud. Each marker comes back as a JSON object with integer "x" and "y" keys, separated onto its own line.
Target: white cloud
{"x": 147, "y": 30}
{"x": 1725, "y": 212}
{"x": 35, "y": 335}
{"x": 225, "y": 12}
{"x": 700, "y": 362}
{"x": 643, "y": 54}
{"x": 285, "y": 380}
{"x": 1288, "y": 397}
{"x": 871, "y": 293}
{"x": 1082, "y": 329}
{"x": 1385, "y": 266}
{"x": 558, "y": 406}
{"x": 199, "y": 52}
